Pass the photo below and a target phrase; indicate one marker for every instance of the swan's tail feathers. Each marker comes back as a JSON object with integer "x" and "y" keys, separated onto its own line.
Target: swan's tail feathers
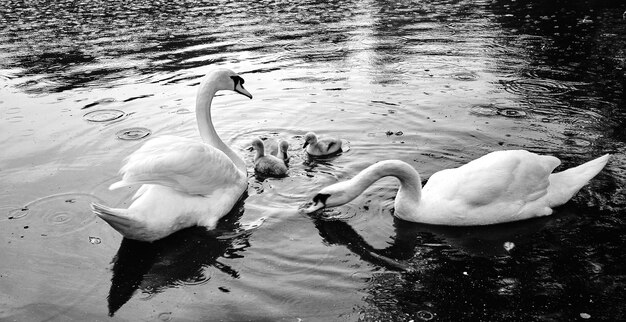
{"x": 564, "y": 185}
{"x": 119, "y": 219}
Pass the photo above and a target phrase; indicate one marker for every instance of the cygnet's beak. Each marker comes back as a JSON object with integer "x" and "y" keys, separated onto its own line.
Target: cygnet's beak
{"x": 250, "y": 148}
{"x": 306, "y": 143}
{"x": 239, "y": 89}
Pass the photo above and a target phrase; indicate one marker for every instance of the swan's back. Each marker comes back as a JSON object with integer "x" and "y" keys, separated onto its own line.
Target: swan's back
{"x": 504, "y": 186}
{"x": 498, "y": 176}
{"x": 501, "y": 186}
{"x": 183, "y": 164}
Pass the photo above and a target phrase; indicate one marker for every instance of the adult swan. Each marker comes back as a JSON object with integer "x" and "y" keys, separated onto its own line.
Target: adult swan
{"x": 499, "y": 187}
{"x": 184, "y": 182}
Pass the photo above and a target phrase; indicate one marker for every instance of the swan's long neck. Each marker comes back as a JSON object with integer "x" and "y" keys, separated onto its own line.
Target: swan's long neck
{"x": 410, "y": 191}
{"x": 206, "y": 92}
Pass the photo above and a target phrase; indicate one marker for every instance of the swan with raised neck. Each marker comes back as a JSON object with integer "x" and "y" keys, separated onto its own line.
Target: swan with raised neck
{"x": 184, "y": 182}
{"x": 502, "y": 186}
{"x": 208, "y": 87}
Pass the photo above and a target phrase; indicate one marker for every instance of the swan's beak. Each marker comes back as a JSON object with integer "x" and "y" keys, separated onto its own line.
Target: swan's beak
{"x": 250, "y": 148}
{"x": 318, "y": 202}
{"x": 312, "y": 207}
{"x": 305, "y": 145}
{"x": 239, "y": 89}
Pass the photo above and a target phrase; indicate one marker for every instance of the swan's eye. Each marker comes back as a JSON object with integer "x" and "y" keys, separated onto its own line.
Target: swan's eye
{"x": 238, "y": 80}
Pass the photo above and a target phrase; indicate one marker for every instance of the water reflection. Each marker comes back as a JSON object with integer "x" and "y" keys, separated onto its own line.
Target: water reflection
{"x": 466, "y": 273}
{"x": 410, "y": 239}
{"x": 181, "y": 259}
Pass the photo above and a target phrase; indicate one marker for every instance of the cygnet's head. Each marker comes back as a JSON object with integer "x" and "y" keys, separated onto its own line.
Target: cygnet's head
{"x": 284, "y": 146}
{"x": 257, "y": 145}
{"x": 309, "y": 138}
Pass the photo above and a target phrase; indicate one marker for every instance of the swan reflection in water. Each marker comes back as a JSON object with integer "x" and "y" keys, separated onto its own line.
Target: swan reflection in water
{"x": 471, "y": 267}
{"x": 178, "y": 259}
{"x": 410, "y": 238}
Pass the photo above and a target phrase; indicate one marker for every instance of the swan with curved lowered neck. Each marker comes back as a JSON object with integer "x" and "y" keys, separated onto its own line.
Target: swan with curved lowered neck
{"x": 184, "y": 182}
{"x": 500, "y": 187}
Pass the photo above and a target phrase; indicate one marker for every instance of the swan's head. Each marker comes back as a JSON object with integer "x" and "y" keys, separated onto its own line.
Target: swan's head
{"x": 309, "y": 138}
{"x": 332, "y": 196}
{"x": 226, "y": 79}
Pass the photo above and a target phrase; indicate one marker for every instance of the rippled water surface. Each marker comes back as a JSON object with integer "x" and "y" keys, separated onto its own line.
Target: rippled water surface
{"x": 433, "y": 83}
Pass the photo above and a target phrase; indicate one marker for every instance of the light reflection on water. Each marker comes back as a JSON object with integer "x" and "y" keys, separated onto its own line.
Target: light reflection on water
{"x": 433, "y": 83}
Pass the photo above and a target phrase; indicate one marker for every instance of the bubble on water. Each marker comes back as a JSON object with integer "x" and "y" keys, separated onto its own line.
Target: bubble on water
{"x": 510, "y": 112}
{"x": 105, "y": 115}
{"x": 94, "y": 240}
{"x": 424, "y": 315}
{"x": 508, "y": 246}
{"x": 197, "y": 280}
{"x": 165, "y": 316}
{"x": 493, "y": 110}
{"x": 585, "y": 316}
{"x": 464, "y": 76}
{"x": 133, "y": 133}
{"x": 58, "y": 218}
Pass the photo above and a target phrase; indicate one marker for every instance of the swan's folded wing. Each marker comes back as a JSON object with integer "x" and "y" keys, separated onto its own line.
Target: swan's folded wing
{"x": 508, "y": 176}
{"x": 183, "y": 164}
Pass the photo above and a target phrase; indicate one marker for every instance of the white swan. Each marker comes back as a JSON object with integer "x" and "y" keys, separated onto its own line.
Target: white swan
{"x": 321, "y": 147}
{"x": 184, "y": 182}
{"x": 499, "y": 187}
{"x": 269, "y": 165}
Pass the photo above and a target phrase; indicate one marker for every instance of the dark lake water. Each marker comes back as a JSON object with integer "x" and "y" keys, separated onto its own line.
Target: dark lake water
{"x": 433, "y": 83}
